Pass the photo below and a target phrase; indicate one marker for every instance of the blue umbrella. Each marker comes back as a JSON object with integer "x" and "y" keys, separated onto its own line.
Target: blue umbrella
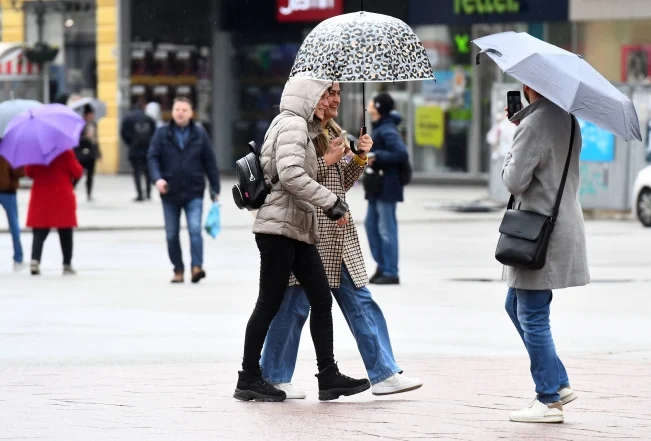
{"x": 40, "y": 134}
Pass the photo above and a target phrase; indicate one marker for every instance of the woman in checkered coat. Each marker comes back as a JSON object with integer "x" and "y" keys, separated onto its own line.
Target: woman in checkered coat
{"x": 344, "y": 264}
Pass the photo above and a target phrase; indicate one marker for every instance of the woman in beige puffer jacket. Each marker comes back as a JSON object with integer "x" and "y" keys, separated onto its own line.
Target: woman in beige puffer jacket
{"x": 286, "y": 232}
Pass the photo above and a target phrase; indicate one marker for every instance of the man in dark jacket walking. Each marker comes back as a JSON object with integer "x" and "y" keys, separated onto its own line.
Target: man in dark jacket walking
{"x": 384, "y": 188}
{"x": 180, "y": 158}
{"x": 137, "y": 131}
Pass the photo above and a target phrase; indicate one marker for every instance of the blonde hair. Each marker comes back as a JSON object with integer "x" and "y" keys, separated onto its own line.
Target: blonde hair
{"x": 321, "y": 142}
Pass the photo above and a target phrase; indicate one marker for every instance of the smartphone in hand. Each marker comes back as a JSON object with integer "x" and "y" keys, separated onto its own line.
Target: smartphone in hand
{"x": 513, "y": 102}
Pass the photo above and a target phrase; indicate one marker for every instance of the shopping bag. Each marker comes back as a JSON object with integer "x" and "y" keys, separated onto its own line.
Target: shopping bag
{"x": 213, "y": 220}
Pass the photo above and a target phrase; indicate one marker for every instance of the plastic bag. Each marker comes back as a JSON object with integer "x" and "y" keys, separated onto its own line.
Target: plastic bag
{"x": 213, "y": 220}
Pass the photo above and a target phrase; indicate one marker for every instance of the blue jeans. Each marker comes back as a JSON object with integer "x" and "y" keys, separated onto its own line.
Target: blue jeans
{"x": 193, "y": 212}
{"x": 10, "y": 204}
{"x": 529, "y": 311}
{"x": 364, "y": 318}
{"x": 382, "y": 231}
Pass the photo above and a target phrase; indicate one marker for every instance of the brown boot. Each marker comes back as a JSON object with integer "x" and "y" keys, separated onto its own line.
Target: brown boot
{"x": 178, "y": 277}
{"x": 197, "y": 274}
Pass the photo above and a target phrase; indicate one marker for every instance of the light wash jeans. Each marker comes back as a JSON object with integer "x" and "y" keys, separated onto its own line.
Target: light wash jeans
{"x": 529, "y": 311}
{"x": 364, "y": 318}
{"x": 193, "y": 212}
{"x": 10, "y": 203}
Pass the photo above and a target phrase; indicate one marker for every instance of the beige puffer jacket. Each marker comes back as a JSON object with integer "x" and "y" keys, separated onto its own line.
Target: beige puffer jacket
{"x": 288, "y": 153}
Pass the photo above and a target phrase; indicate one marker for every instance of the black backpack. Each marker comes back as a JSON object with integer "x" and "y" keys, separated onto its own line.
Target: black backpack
{"x": 251, "y": 190}
{"x": 142, "y": 132}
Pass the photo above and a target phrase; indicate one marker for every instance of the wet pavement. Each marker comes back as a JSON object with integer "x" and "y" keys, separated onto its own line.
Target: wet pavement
{"x": 117, "y": 353}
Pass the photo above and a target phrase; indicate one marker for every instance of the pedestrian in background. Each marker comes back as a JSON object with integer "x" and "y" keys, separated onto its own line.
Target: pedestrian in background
{"x": 286, "y": 232}
{"x": 343, "y": 261}
{"x": 384, "y": 188}
{"x": 9, "y": 181}
{"x": 180, "y": 157}
{"x": 137, "y": 131}
{"x": 53, "y": 204}
{"x": 533, "y": 172}
{"x": 88, "y": 151}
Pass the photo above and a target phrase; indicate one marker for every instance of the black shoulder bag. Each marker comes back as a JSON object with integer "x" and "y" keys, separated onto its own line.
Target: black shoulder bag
{"x": 524, "y": 235}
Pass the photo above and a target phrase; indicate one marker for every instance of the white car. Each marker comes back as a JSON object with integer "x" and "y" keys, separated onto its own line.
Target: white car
{"x": 642, "y": 196}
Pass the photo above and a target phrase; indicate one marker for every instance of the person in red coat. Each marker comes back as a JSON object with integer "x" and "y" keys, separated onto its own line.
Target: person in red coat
{"x": 53, "y": 205}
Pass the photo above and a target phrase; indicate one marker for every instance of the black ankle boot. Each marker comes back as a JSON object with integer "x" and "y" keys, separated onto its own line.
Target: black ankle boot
{"x": 333, "y": 384}
{"x": 254, "y": 388}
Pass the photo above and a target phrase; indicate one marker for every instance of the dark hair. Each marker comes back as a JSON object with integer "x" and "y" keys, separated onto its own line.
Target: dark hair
{"x": 183, "y": 99}
{"x": 88, "y": 109}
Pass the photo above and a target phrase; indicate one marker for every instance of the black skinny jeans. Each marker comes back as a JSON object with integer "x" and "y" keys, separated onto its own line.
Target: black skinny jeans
{"x": 89, "y": 166}
{"x": 65, "y": 237}
{"x": 279, "y": 257}
{"x": 140, "y": 171}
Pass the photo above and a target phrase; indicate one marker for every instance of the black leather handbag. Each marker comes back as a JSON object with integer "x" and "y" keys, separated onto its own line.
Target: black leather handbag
{"x": 524, "y": 235}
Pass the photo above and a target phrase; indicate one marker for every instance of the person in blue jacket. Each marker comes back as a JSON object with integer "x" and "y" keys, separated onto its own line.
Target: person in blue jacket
{"x": 384, "y": 188}
{"x": 180, "y": 157}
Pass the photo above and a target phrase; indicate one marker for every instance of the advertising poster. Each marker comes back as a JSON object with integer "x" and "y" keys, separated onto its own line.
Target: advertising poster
{"x": 429, "y": 126}
{"x": 598, "y": 144}
{"x": 636, "y": 67}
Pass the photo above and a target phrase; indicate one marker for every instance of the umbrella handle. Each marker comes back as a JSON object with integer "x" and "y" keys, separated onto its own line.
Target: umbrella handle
{"x": 354, "y": 149}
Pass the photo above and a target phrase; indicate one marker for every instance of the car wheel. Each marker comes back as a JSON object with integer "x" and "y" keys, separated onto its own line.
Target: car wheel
{"x": 644, "y": 207}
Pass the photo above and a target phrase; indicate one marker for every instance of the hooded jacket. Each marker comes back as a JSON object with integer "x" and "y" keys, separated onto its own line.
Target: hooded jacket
{"x": 288, "y": 152}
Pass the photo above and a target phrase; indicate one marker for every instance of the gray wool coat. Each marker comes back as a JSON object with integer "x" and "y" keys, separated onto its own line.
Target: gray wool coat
{"x": 532, "y": 172}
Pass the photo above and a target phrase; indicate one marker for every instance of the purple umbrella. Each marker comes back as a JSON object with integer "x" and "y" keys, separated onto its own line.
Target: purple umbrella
{"x": 40, "y": 134}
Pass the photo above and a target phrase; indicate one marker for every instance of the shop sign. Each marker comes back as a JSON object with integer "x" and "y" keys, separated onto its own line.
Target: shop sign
{"x": 307, "y": 10}
{"x": 467, "y": 12}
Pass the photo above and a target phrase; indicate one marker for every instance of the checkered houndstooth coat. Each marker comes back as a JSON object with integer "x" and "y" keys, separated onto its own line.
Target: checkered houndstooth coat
{"x": 339, "y": 244}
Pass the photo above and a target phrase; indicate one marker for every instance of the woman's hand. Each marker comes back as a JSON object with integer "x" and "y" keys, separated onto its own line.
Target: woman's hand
{"x": 365, "y": 144}
{"x": 335, "y": 152}
{"x": 343, "y": 221}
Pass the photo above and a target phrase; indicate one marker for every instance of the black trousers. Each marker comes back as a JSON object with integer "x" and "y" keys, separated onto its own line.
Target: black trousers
{"x": 140, "y": 171}
{"x": 65, "y": 237}
{"x": 279, "y": 257}
{"x": 89, "y": 166}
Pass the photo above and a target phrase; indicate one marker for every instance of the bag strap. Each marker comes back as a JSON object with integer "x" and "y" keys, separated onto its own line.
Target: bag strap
{"x": 559, "y": 195}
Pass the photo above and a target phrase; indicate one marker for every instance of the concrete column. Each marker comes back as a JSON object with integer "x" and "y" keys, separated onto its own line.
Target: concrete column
{"x": 223, "y": 93}
{"x": 108, "y": 27}
{"x": 13, "y": 23}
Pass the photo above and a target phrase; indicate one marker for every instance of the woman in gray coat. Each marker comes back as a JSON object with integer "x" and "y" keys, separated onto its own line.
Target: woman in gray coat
{"x": 286, "y": 232}
{"x": 532, "y": 172}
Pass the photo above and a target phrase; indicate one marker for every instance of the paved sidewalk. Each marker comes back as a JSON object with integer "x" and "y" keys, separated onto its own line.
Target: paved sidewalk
{"x": 465, "y": 399}
{"x": 114, "y": 208}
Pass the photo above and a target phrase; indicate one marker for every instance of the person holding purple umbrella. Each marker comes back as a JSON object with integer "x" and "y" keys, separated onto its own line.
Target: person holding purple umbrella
{"x": 53, "y": 204}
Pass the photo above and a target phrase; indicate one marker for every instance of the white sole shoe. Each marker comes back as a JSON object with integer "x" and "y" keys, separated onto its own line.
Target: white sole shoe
{"x": 396, "y": 384}
{"x": 567, "y": 395}
{"x": 291, "y": 392}
{"x": 538, "y": 412}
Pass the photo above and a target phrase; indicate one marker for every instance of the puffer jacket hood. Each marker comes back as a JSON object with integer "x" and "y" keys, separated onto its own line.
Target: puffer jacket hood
{"x": 289, "y": 154}
{"x": 301, "y": 96}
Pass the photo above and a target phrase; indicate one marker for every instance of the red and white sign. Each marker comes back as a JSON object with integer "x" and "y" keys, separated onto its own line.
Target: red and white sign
{"x": 14, "y": 62}
{"x": 307, "y": 10}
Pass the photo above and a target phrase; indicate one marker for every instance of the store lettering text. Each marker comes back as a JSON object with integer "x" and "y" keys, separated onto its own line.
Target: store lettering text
{"x": 305, "y": 5}
{"x": 470, "y": 7}
{"x": 463, "y": 43}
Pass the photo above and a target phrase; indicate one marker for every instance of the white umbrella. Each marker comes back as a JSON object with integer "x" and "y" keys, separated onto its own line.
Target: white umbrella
{"x": 99, "y": 107}
{"x": 564, "y": 78}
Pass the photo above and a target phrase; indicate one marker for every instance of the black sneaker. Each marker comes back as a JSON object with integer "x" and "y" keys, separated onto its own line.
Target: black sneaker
{"x": 333, "y": 384}
{"x": 387, "y": 280}
{"x": 377, "y": 274}
{"x": 256, "y": 389}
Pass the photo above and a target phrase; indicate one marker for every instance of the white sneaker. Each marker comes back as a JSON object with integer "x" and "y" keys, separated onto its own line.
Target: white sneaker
{"x": 538, "y": 412}
{"x": 396, "y": 384}
{"x": 291, "y": 392}
{"x": 18, "y": 266}
{"x": 567, "y": 395}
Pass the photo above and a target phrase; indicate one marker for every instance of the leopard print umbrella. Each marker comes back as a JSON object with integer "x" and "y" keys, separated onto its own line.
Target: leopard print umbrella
{"x": 362, "y": 47}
